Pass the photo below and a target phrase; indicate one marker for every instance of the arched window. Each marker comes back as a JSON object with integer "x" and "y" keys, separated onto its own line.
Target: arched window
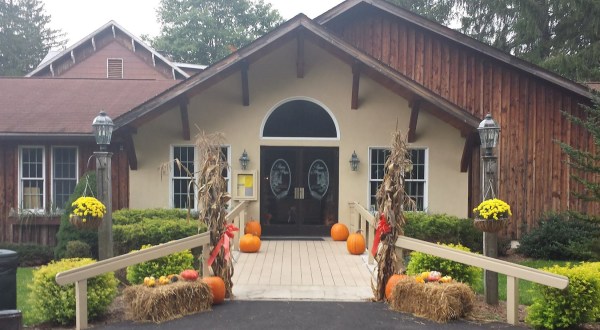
{"x": 300, "y": 118}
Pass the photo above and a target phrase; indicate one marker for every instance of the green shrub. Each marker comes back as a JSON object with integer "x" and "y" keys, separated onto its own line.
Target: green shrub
{"x": 422, "y": 262}
{"x": 577, "y": 304}
{"x": 443, "y": 228}
{"x": 55, "y": 303}
{"x": 130, "y": 216}
{"x": 171, "y": 264}
{"x": 30, "y": 254}
{"x": 67, "y": 232}
{"x": 78, "y": 249}
{"x": 561, "y": 237}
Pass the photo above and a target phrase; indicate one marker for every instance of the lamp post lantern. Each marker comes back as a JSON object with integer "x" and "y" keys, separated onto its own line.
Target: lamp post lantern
{"x": 103, "y": 128}
{"x": 489, "y": 133}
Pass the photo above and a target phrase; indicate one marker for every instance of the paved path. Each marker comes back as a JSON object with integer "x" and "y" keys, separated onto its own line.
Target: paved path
{"x": 302, "y": 315}
{"x": 302, "y": 270}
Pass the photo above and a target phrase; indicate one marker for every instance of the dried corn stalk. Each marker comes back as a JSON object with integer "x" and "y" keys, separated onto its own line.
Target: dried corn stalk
{"x": 213, "y": 199}
{"x": 391, "y": 201}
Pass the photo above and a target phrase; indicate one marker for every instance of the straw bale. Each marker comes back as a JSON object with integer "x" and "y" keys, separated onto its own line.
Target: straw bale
{"x": 438, "y": 302}
{"x": 167, "y": 302}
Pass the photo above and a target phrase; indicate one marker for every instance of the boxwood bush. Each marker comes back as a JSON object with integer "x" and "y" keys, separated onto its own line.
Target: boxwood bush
{"x": 422, "y": 262}
{"x": 561, "y": 236}
{"x": 171, "y": 264}
{"x": 577, "y": 304}
{"x": 56, "y": 303}
{"x": 443, "y": 228}
{"x": 30, "y": 254}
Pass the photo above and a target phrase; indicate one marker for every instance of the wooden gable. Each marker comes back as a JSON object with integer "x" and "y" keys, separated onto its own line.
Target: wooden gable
{"x": 526, "y": 101}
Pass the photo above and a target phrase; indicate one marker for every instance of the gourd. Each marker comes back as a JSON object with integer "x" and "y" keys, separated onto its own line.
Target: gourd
{"x": 217, "y": 288}
{"x": 249, "y": 243}
{"x": 339, "y": 232}
{"x": 189, "y": 275}
{"x": 391, "y": 283}
{"x": 253, "y": 227}
{"x": 356, "y": 243}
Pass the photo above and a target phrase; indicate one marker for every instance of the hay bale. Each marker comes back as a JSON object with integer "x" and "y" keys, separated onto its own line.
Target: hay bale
{"x": 166, "y": 302}
{"x": 439, "y": 302}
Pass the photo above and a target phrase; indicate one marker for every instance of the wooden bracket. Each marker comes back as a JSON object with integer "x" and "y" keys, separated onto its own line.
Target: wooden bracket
{"x": 130, "y": 148}
{"x": 355, "y": 82}
{"x": 465, "y": 160}
{"x": 185, "y": 122}
{"x": 300, "y": 56}
{"x": 245, "y": 88}
{"x": 415, "y": 106}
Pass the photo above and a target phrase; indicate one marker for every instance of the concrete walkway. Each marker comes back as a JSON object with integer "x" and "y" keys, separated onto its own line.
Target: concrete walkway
{"x": 302, "y": 270}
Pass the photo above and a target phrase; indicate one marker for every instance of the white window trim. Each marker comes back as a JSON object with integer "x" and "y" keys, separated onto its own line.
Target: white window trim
{"x": 426, "y": 175}
{"x": 20, "y": 185}
{"x": 171, "y": 178}
{"x": 52, "y": 199}
{"x": 229, "y": 168}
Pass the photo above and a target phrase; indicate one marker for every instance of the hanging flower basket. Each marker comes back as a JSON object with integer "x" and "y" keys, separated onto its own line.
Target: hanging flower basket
{"x": 491, "y": 215}
{"x": 490, "y": 225}
{"x": 87, "y": 213}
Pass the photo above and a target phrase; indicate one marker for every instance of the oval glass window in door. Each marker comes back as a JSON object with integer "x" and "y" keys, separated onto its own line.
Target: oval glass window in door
{"x": 280, "y": 178}
{"x": 318, "y": 179}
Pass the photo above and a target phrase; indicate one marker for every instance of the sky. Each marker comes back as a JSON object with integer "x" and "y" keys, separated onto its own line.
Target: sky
{"x": 79, "y": 18}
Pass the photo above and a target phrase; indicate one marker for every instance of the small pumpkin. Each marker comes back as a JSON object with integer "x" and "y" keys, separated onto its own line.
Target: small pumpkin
{"x": 217, "y": 288}
{"x": 356, "y": 243}
{"x": 434, "y": 276}
{"x": 253, "y": 227}
{"x": 189, "y": 275}
{"x": 339, "y": 232}
{"x": 391, "y": 283}
{"x": 249, "y": 243}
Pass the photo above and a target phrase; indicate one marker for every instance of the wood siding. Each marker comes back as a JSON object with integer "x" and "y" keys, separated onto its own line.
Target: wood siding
{"x": 533, "y": 177}
{"x": 42, "y": 229}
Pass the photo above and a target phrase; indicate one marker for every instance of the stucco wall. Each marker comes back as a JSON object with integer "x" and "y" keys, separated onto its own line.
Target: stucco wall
{"x": 327, "y": 81}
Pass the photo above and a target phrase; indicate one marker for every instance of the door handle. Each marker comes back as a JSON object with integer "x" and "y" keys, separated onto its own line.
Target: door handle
{"x": 299, "y": 193}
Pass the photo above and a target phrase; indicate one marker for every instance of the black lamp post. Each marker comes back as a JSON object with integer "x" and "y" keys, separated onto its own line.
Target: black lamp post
{"x": 103, "y": 128}
{"x": 354, "y": 162}
{"x": 244, "y": 160}
{"x": 489, "y": 133}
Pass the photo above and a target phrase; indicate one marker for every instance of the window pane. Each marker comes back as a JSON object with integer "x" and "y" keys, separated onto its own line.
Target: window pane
{"x": 33, "y": 194}
{"x": 64, "y": 170}
{"x": 181, "y": 180}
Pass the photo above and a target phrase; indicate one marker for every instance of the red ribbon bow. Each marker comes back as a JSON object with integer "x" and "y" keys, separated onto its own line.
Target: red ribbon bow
{"x": 382, "y": 228}
{"x": 227, "y": 235}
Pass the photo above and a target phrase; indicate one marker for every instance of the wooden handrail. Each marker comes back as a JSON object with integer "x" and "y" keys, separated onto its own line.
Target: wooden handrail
{"x": 512, "y": 271}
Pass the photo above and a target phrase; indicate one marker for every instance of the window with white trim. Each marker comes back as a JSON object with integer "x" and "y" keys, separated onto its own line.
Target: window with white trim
{"x": 415, "y": 181}
{"x": 64, "y": 175}
{"x": 31, "y": 178}
{"x": 183, "y": 193}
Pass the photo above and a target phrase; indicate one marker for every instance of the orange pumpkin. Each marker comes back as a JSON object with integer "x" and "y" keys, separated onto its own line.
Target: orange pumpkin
{"x": 217, "y": 288}
{"x": 391, "y": 283}
{"x": 249, "y": 243}
{"x": 356, "y": 243}
{"x": 253, "y": 227}
{"x": 339, "y": 232}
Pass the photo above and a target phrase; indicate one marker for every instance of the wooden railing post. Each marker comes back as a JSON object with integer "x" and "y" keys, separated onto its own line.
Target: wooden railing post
{"x": 81, "y": 320}
{"x": 205, "y": 256}
{"x": 512, "y": 299}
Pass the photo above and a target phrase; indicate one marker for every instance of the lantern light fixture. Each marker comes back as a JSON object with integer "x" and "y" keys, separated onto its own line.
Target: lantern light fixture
{"x": 354, "y": 162}
{"x": 103, "y": 128}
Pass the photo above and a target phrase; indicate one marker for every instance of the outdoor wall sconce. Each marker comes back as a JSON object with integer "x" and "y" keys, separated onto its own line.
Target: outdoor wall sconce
{"x": 103, "y": 128}
{"x": 244, "y": 160}
{"x": 354, "y": 162}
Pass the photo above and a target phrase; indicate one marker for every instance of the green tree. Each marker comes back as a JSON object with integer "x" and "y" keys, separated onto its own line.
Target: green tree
{"x": 559, "y": 35}
{"x": 205, "y": 31}
{"x": 25, "y": 37}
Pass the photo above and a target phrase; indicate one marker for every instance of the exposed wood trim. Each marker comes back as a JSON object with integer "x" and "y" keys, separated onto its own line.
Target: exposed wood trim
{"x": 130, "y": 148}
{"x": 133, "y": 44}
{"x": 153, "y": 60}
{"x": 467, "y": 153}
{"x": 300, "y": 56}
{"x": 94, "y": 43}
{"x": 72, "y": 56}
{"x": 113, "y": 31}
{"x": 52, "y": 69}
{"x": 414, "y": 116}
{"x": 245, "y": 88}
{"x": 356, "y": 68}
{"x": 185, "y": 122}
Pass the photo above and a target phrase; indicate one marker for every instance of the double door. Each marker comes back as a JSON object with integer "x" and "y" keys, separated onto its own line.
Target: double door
{"x": 299, "y": 190}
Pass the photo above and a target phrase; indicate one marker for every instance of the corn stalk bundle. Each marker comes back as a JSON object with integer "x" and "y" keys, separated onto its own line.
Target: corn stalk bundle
{"x": 213, "y": 199}
{"x": 391, "y": 200}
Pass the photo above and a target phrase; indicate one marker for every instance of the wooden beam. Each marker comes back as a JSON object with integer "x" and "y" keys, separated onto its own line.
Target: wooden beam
{"x": 355, "y": 83}
{"x": 300, "y": 56}
{"x": 415, "y": 106}
{"x": 465, "y": 160}
{"x": 185, "y": 122}
{"x": 130, "y": 149}
{"x": 245, "y": 88}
